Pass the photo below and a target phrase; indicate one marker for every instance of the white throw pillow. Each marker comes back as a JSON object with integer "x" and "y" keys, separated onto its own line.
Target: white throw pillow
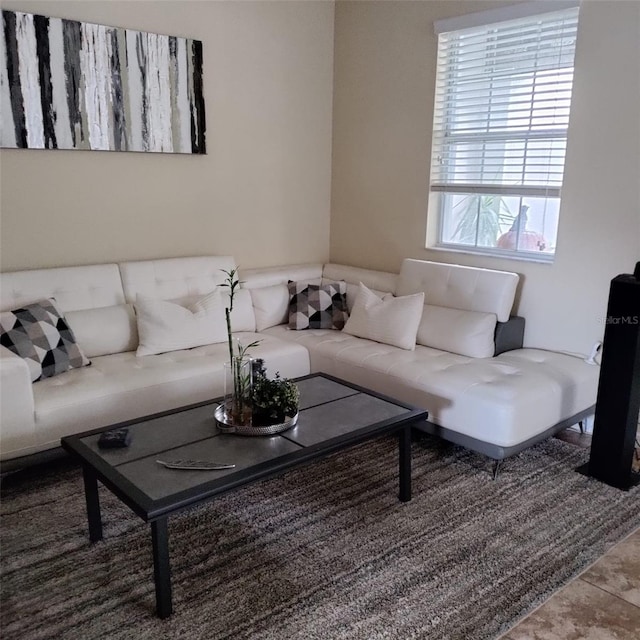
{"x": 165, "y": 326}
{"x": 242, "y": 316}
{"x": 390, "y": 320}
{"x": 270, "y": 305}
{"x": 467, "y": 333}
{"x": 105, "y": 330}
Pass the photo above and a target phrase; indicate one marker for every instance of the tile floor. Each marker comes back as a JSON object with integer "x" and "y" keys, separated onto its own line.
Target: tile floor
{"x": 603, "y": 603}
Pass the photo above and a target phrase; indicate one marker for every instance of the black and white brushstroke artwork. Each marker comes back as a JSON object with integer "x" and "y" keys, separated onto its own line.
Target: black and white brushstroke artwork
{"x": 75, "y": 85}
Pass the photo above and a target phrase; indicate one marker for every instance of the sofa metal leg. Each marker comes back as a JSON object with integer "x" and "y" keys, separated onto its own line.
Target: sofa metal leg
{"x": 496, "y": 469}
{"x": 581, "y": 426}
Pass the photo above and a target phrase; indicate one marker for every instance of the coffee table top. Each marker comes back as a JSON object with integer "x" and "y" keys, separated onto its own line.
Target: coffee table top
{"x": 333, "y": 415}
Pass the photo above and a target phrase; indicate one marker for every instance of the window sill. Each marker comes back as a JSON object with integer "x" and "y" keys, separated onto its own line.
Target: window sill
{"x": 522, "y": 257}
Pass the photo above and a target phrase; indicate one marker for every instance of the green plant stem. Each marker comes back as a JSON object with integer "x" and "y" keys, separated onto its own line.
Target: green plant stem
{"x": 236, "y": 363}
{"x": 240, "y": 385}
{"x": 227, "y": 313}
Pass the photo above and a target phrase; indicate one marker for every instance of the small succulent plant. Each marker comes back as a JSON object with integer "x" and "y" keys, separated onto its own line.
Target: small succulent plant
{"x": 274, "y": 400}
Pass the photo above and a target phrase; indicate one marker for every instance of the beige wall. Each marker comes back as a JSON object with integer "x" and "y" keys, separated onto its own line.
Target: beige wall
{"x": 385, "y": 55}
{"x": 263, "y": 191}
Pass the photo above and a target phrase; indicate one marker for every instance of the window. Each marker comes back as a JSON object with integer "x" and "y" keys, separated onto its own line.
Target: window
{"x": 502, "y": 104}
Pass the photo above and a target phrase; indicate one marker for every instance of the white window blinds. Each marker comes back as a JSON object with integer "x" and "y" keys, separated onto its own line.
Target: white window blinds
{"x": 503, "y": 95}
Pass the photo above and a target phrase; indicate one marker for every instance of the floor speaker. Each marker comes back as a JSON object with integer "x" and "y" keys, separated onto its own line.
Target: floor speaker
{"x": 618, "y": 402}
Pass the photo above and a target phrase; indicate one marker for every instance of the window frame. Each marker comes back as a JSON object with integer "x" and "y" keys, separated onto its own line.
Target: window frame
{"x": 440, "y": 189}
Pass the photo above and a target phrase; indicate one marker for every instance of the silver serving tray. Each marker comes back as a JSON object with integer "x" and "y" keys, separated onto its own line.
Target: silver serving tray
{"x": 227, "y": 426}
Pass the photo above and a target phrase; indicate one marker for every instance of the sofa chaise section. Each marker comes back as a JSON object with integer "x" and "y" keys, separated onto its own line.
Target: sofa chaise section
{"x": 494, "y": 405}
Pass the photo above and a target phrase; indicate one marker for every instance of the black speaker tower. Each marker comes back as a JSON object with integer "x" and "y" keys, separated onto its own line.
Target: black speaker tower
{"x": 618, "y": 403}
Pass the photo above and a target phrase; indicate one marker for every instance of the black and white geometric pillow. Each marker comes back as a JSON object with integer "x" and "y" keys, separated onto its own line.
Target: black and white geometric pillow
{"x": 40, "y": 334}
{"x": 313, "y": 306}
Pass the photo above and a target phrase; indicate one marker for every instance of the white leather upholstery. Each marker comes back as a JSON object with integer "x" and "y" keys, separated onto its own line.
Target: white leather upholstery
{"x": 391, "y": 320}
{"x": 17, "y": 415}
{"x": 73, "y": 288}
{"x": 80, "y": 293}
{"x": 467, "y": 333}
{"x": 105, "y": 330}
{"x": 458, "y": 287}
{"x": 166, "y": 326}
{"x": 120, "y": 386}
{"x": 254, "y": 278}
{"x": 504, "y": 400}
{"x": 174, "y": 278}
{"x": 242, "y": 316}
{"x": 380, "y": 282}
{"x": 269, "y": 291}
{"x": 270, "y": 305}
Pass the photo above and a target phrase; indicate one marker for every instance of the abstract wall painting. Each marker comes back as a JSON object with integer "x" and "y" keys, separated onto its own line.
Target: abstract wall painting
{"x": 75, "y": 85}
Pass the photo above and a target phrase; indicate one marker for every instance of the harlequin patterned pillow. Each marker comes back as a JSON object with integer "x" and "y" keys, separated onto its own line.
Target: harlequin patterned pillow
{"x": 40, "y": 335}
{"x": 314, "y": 306}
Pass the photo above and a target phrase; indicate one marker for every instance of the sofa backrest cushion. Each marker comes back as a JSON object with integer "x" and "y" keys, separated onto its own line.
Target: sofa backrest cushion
{"x": 106, "y": 330}
{"x": 73, "y": 288}
{"x": 185, "y": 280}
{"x": 255, "y": 278}
{"x": 270, "y": 293}
{"x": 174, "y": 278}
{"x": 459, "y": 287}
{"x": 90, "y": 296}
{"x": 380, "y": 282}
{"x": 467, "y": 333}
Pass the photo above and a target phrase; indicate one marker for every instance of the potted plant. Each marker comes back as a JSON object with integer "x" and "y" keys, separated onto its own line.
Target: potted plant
{"x": 274, "y": 401}
{"x": 481, "y": 219}
{"x": 238, "y": 371}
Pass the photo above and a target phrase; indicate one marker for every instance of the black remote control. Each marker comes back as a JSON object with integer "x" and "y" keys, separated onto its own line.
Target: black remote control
{"x": 114, "y": 439}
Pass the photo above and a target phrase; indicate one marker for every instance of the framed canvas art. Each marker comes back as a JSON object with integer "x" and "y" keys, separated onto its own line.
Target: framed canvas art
{"x": 75, "y": 85}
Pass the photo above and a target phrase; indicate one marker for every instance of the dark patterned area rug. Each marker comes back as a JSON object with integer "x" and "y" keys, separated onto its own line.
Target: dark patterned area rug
{"x": 323, "y": 552}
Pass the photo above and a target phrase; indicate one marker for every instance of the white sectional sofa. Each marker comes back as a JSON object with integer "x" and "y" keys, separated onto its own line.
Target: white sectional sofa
{"x": 496, "y": 405}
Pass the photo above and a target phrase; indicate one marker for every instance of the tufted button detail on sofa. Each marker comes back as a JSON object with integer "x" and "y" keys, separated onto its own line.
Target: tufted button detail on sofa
{"x": 501, "y": 401}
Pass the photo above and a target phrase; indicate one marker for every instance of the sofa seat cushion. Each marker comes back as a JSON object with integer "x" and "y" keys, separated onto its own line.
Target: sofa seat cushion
{"x": 503, "y": 401}
{"x": 122, "y": 386}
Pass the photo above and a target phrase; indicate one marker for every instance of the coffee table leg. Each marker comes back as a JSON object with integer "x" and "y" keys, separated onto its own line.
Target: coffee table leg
{"x": 404, "y": 452}
{"x": 93, "y": 504}
{"x": 161, "y": 568}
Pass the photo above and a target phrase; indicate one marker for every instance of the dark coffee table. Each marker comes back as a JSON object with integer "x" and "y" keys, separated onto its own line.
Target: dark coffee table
{"x": 333, "y": 416}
